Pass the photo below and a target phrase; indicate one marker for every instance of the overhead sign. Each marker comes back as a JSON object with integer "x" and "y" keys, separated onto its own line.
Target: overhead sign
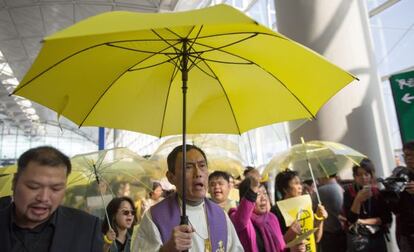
{"x": 402, "y": 86}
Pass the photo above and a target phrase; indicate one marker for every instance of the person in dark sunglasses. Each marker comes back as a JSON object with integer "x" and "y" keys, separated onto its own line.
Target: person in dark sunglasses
{"x": 122, "y": 217}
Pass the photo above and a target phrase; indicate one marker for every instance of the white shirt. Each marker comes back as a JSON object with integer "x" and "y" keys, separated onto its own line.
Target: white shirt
{"x": 148, "y": 237}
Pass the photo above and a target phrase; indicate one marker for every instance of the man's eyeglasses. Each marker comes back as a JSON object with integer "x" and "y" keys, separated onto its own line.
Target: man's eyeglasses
{"x": 128, "y": 212}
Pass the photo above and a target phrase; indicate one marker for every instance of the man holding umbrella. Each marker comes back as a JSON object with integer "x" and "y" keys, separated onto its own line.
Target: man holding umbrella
{"x": 208, "y": 229}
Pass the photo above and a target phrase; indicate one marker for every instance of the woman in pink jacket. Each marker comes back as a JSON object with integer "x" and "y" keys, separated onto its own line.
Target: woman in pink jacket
{"x": 258, "y": 229}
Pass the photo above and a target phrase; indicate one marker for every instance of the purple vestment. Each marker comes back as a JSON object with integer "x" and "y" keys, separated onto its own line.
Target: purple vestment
{"x": 166, "y": 216}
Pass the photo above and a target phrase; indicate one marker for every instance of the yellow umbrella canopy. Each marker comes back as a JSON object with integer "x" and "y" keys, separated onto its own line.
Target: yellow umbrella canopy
{"x": 99, "y": 176}
{"x": 122, "y": 70}
{"x": 223, "y": 153}
{"x": 326, "y": 159}
{"x": 130, "y": 71}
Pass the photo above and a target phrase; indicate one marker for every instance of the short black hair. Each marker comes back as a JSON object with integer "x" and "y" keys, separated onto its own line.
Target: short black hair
{"x": 172, "y": 157}
{"x": 365, "y": 164}
{"x": 43, "y": 155}
{"x": 219, "y": 174}
{"x": 282, "y": 180}
{"x": 408, "y": 146}
{"x": 112, "y": 208}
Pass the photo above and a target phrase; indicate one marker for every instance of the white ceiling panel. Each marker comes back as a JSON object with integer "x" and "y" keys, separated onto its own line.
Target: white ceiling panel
{"x": 23, "y": 25}
{"x": 13, "y": 3}
{"x": 32, "y": 46}
{"x": 28, "y": 21}
{"x": 57, "y": 17}
{"x": 83, "y": 11}
{"x": 127, "y": 8}
{"x": 20, "y": 67}
{"x": 13, "y": 50}
{"x": 7, "y": 28}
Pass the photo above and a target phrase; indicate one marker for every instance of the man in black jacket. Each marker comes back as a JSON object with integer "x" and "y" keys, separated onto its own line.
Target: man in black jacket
{"x": 404, "y": 208}
{"x": 35, "y": 221}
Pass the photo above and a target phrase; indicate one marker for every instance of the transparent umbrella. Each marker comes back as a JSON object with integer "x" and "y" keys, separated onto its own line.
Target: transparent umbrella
{"x": 99, "y": 176}
{"x": 326, "y": 159}
{"x": 223, "y": 153}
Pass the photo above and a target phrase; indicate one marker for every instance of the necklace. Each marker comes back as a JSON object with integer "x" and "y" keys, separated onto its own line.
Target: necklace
{"x": 207, "y": 241}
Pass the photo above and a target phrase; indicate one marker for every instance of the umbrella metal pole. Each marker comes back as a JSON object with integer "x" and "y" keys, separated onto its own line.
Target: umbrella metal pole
{"x": 314, "y": 182}
{"x": 184, "y": 77}
{"x": 100, "y": 192}
{"x": 311, "y": 172}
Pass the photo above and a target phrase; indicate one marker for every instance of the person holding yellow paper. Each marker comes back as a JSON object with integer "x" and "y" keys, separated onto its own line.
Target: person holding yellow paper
{"x": 295, "y": 210}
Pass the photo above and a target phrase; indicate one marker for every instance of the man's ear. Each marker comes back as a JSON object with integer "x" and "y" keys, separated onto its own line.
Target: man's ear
{"x": 170, "y": 177}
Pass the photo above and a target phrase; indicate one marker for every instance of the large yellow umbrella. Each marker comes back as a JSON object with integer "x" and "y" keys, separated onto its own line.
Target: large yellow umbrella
{"x": 130, "y": 71}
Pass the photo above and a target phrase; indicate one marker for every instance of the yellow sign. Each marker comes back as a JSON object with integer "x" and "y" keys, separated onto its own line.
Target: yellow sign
{"x": 300, "y": 209}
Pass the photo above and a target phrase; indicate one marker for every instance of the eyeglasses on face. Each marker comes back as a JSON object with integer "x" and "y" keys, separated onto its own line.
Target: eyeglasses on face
{"x": 127, "y": 212}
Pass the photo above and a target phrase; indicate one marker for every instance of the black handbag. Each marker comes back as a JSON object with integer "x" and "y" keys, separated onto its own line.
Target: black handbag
{"x": 358, "y": 237}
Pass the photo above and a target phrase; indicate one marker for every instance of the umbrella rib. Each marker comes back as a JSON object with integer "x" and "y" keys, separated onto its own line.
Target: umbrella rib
{"x": 241, "y": 33}
{"x": 226, "y": 62}
{"x": 196, "y": 65}
{"x": 280, "y": 81}
{"x": 173, "y": 75}
{"x": 144, "y": 51}
{"x": 168, "y": 43}
{"x": 224, "y": 46}
{"x": 154, "y": 65}
{"x": 113, "y": 82}
{"x": 22, "y": 85}
{"x": 227, "y": 98}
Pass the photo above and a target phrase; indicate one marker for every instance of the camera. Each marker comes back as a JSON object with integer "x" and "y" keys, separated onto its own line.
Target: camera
{"x": 395, "y": 184}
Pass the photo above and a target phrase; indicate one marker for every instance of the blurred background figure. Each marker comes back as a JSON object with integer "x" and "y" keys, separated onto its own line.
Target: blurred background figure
{"x": 367, "y": 214}
{"x": 219, "y": 188}
{"x": 251, "y": 171}
{"x": 155, "y": 196}
{"x": 308, "y": 187}
{"x": 331, "y": 195}
{"x": 117, "y": 234}
{"x": 403, "y": 207}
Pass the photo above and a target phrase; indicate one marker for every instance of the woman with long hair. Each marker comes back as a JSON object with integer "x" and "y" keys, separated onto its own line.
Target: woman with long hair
{"x": 122, "y": 217}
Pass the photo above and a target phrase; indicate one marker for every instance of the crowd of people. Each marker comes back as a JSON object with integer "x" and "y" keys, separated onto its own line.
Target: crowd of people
{"x": 344, "y": 217}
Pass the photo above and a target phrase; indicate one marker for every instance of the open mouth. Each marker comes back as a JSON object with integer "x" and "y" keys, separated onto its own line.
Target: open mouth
{"x": 39, "y": 210}
{"x": 218, "y": 192}
{"x": 198, "y": 186}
